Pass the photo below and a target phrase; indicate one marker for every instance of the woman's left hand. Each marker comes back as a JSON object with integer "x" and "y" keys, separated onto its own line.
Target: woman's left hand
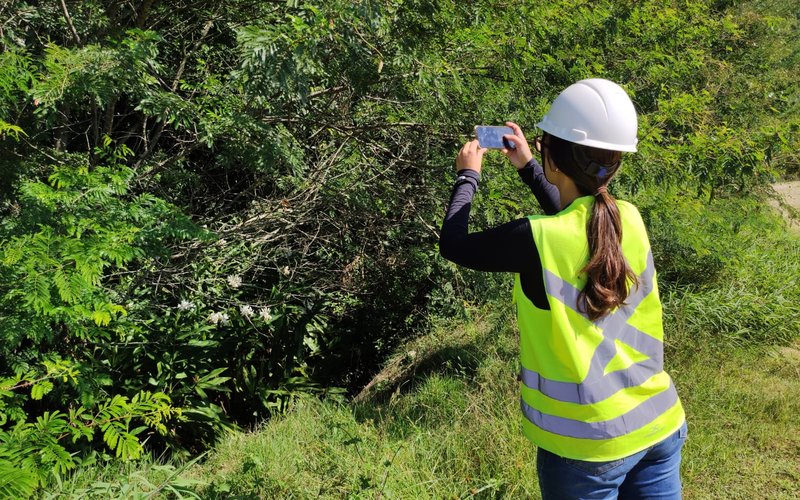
{"x": 470, "y": 157}
{"x": 521, "y": 155}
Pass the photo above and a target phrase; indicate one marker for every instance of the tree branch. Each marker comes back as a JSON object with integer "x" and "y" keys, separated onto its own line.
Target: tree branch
{"x": 144, "y": 12}
{"x": 181, "y": 67}
{"x": 69, "y": 21}
{"x": 195, "y": 46}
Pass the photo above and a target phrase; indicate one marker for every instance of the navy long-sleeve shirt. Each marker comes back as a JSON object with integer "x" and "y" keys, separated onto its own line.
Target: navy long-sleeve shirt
{"x": 505, "y": 248}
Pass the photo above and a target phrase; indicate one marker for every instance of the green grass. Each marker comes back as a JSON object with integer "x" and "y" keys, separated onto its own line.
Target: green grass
{"x": 443, "y": 420}
{"x": 454, "y": 433}
{"x": 451, "y": 431}
{"x": 744, "y": 429}
{"x": 146, "y": 478}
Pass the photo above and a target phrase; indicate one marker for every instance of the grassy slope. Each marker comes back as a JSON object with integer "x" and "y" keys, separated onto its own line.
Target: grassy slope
{"x": 451, "y": 428}
{"x": 454, "y": 431}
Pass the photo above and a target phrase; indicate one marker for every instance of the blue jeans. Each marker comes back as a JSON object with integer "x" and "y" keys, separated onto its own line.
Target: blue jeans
{"x": 653, "y": 473}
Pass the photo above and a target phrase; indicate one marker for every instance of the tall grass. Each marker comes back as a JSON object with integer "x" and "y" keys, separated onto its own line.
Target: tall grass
{"x": 451, "y": 432}
{"x": 753, "y": 299}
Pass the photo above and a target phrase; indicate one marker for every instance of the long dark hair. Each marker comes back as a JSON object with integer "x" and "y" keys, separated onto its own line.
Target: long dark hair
{"x": 607, "y": 271}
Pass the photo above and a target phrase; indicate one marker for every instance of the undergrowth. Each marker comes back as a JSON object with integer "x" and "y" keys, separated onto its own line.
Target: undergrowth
{"x": 445, "y": 423}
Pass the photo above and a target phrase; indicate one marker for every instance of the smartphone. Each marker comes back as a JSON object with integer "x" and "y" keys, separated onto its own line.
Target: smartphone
{"x": 492, "y": 137}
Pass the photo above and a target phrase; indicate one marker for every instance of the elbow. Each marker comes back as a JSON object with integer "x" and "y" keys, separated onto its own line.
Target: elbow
{"x": 445, "y": 248}
{"x": 448, "y": 248}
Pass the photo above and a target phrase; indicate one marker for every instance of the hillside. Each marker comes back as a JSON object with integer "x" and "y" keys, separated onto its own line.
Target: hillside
{"x": 442, "y": 418}
{"x": 453, "y": 430}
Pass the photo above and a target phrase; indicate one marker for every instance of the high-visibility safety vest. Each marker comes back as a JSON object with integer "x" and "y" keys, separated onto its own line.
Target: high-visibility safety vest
{"x": 593, "y": 391}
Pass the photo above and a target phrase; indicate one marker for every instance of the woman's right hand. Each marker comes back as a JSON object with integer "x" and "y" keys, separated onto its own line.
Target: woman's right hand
{"x": 470, "y": 157}
{"x": 521, "y": 155}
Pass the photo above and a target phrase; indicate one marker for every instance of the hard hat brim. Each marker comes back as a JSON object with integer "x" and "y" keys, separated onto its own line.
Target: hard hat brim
{"x": 580, "y": 137}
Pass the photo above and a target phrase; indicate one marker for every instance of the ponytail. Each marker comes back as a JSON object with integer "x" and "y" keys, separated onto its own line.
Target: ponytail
{"x": 607, "y": 271}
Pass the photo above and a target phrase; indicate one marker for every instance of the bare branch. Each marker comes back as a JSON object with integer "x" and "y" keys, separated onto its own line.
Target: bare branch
{"x": 69, "y": 21}
{"x": 195, "y": 46}
{"x": 144, "y": 12}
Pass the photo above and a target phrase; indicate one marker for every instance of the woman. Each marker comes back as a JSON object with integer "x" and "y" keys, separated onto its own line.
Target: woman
{"x": 595, "y": 399}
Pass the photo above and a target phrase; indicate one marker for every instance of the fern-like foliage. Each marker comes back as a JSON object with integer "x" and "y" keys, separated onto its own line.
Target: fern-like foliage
{"x": 88, "y": 229}
{"x": 15, "y": 481}
{"x": 59, "y": 308}
{"x": 31, "y": 451}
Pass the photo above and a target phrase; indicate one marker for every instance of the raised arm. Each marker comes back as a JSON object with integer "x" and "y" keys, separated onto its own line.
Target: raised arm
{"x": 531, "y": 172}
{"x": 546, "y": 194}
{"x": 506, "y": 248}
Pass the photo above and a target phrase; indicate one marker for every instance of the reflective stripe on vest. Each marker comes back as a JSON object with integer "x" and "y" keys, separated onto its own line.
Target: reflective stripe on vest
{"x": 637, "y": 418}
{"x": 600, "y": 386}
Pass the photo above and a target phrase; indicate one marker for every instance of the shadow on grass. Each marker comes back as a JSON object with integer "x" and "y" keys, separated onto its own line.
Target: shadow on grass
{"x": 431, "y": 389}
{"x": 428, "y": 395}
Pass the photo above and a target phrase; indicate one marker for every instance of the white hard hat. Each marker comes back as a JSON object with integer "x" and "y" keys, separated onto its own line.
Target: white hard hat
{"x": 593, "y": 112}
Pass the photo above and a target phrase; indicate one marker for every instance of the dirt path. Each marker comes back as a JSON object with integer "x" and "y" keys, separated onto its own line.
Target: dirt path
{"x": 790, "y": 192}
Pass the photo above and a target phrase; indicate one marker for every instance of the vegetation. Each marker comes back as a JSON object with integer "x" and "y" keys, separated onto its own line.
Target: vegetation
{"x": 443, "y": 420}
{"x": 211, "y": 211}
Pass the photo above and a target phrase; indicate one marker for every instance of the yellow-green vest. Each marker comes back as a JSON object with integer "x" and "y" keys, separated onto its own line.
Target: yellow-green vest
{"x": 594, "y": 391}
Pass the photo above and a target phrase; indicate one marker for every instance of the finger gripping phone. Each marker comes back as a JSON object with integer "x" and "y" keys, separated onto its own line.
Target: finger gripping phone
{"x": 492, "y": 137}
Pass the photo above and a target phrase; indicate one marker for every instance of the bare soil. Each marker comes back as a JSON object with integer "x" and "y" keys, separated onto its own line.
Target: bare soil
{"x": 789, "y": 193}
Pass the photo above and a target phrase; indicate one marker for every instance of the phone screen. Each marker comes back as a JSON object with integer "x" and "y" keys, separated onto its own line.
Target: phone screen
{"x": 492, "y": 137}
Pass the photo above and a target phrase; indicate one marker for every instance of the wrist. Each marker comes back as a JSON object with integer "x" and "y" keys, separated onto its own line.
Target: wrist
{"x": 468, "y": 173}
{"x": 525, "y": 163}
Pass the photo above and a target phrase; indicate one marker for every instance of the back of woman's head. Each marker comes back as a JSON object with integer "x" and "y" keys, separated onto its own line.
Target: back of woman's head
{"x": 607, "y": 272}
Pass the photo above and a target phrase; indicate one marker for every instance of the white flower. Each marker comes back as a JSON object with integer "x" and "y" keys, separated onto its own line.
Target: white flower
{"x": 219, "y": 318}
{"x": 185, "y": 305}
{"x": 235, "y": 281}
{"x": 246, "y": 311}
{"x": 286, "y": 271}
{"x": 265, "y": 314}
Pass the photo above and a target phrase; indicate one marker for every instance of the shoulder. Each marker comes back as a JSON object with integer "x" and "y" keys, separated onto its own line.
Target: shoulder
{"x": 628, "y": 212}
{"x": 626, "y": 205}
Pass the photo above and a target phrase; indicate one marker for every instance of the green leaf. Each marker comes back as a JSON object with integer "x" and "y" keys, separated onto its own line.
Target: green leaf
{"x": 101, "y": 318}
{"x": 128, "y": 447}
{"x": 11, "y": 130}
{"x": 16, "y": 481}
{"x": 39, "y": 389}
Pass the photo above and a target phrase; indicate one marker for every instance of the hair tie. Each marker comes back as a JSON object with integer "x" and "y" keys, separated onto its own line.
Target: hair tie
{"x": 600, "y": 190}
